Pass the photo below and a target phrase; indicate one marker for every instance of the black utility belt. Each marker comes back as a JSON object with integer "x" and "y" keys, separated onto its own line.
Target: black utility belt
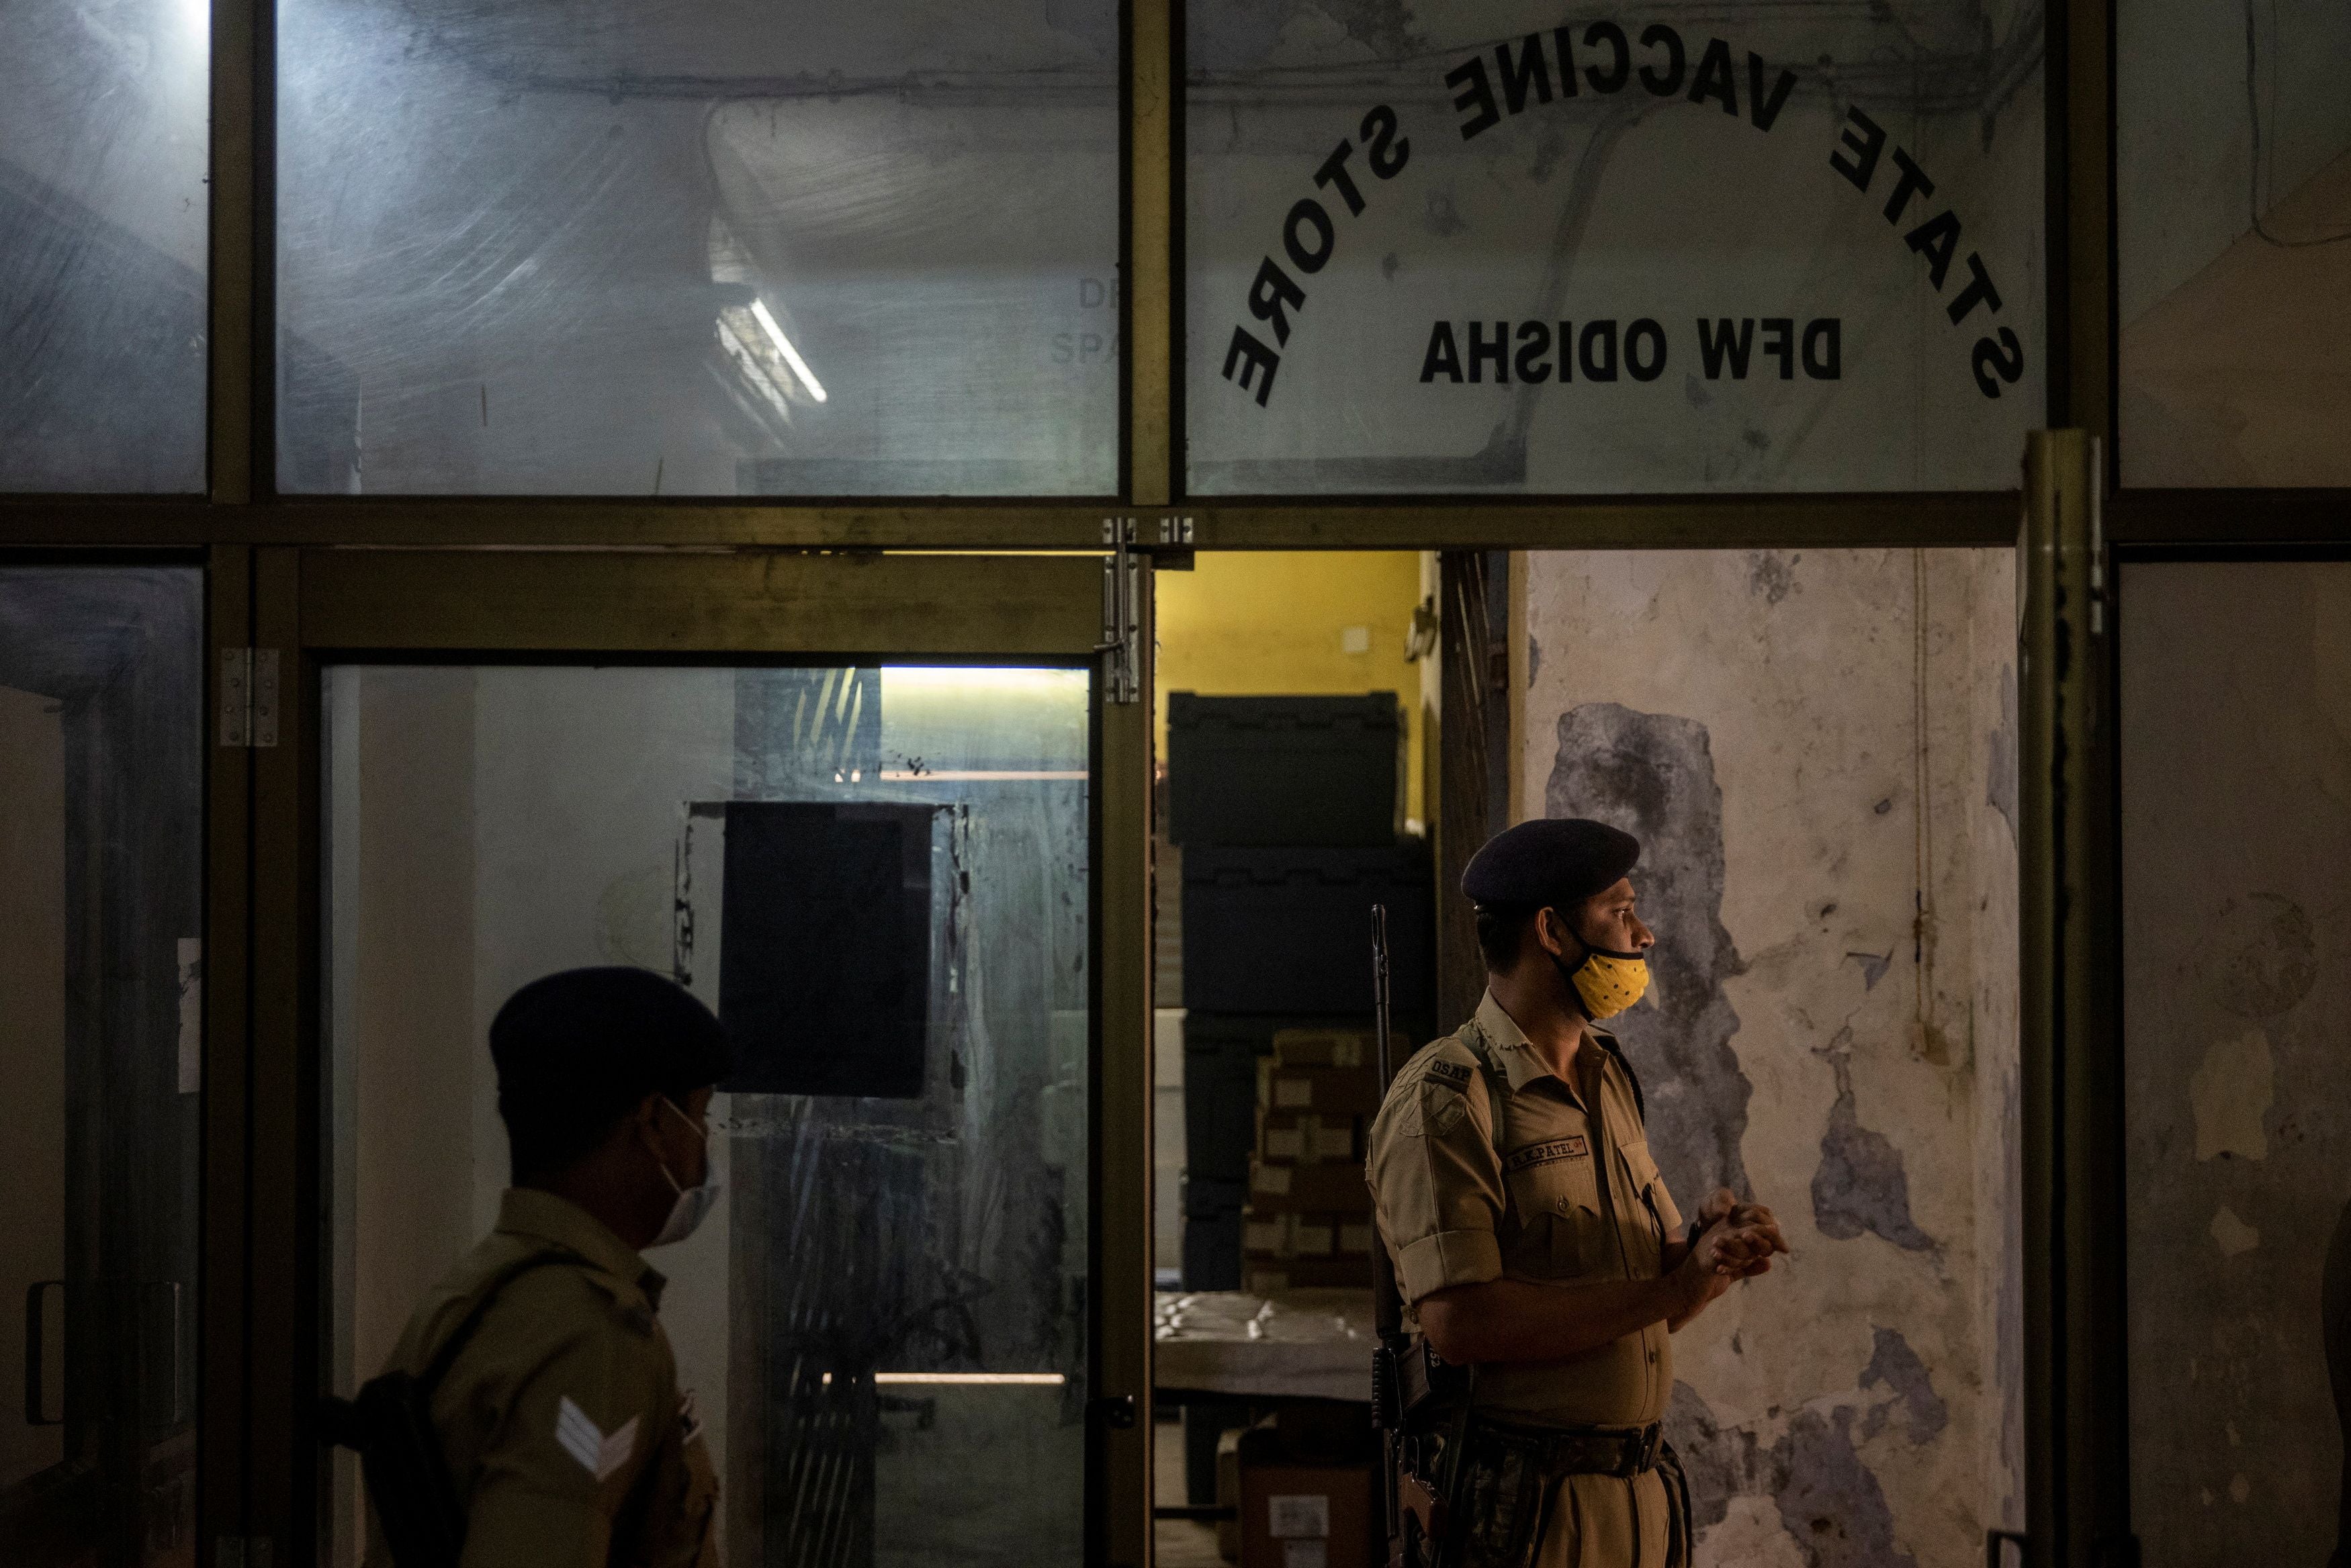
{"x": 1554, "y": 1452}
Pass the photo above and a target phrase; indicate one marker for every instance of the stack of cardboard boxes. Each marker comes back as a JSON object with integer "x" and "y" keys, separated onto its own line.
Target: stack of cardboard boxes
{"x": 1309, "y": 1222}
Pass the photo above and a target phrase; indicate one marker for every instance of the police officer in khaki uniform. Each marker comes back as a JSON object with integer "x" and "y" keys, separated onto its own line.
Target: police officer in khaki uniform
{"x": 559, "y": 1418}
{"x": 1533, "y": 1239}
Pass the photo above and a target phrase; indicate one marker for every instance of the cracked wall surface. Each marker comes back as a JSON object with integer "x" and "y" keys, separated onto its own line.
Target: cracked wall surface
{"x": 1817, "y": 749}
{"x": 2236, "y": 757}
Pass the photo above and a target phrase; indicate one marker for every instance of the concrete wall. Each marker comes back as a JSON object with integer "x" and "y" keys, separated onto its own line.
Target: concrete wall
{"x": 1817, "y": 749}
{"x": 2236, "y": 711}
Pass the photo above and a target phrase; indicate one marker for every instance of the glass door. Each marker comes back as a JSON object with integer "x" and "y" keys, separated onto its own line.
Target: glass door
{"x": 860, "y": 807}
{"x": 101, "y": 802}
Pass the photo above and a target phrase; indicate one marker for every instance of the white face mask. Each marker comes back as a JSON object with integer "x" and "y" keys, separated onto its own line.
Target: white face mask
{"x": 694, "y": 1203}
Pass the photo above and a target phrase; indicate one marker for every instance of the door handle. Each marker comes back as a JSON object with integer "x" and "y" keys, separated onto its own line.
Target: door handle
{"x": 33, "y": 1355}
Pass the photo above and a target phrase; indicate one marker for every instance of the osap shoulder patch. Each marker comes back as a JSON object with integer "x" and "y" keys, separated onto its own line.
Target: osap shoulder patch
{"x": 1454, "y": 1075}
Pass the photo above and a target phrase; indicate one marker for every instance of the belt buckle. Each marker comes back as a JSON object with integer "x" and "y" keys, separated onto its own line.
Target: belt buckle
{"x": 1645, "y": 1456}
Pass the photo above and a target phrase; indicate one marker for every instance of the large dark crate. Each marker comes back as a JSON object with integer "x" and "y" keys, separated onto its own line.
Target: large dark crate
{"x": 1290, "y": 930}
{"x": 1284, "y": 770}
{"x": 1212, "y": 1252}
{"x": 1220, "y": 1056}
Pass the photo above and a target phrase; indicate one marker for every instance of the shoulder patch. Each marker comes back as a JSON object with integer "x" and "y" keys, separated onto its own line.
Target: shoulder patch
{"x": 1454, "y": 1075}
{"x": 1442, "y": 1107}
{"x": 600, "y": 1453}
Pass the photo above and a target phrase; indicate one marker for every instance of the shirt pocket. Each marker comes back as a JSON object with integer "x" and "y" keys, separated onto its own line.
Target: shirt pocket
{"x": 1648, "y": 1187}
{"x": 1557, "y": 1201}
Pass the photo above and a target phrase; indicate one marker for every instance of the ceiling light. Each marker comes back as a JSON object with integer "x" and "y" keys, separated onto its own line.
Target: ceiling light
{"x": 791, "y": 355}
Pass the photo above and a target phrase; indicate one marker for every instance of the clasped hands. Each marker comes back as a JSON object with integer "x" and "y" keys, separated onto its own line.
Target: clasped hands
{"x": 1736, "y": 1240}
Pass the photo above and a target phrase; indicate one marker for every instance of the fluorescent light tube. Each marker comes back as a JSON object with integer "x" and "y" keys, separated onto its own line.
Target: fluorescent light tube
{"x": 791, "y": 355}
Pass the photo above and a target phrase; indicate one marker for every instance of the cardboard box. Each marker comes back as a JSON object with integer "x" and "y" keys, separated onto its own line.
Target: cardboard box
{"x": 1304, "y": 1138}
{"x": 1306, "y": 1516}
{"x": 1267, "y": 1277}
{"x": 1326, "y": 1091}
{"x": 1335, "y": 1190}
{"x": 1228, "y": 1494}
{"x": 1283, "y": 1236}
{"x": 1268, "y": 1236}
{"x": 1336, "y": 1048}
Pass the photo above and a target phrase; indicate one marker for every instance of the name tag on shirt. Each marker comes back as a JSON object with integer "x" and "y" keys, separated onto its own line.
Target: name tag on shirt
{"x": 1570, "y": 1148}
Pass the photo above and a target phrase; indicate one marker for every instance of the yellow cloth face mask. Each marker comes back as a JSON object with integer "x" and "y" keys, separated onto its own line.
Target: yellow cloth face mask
{"x": 1609, "y": 982}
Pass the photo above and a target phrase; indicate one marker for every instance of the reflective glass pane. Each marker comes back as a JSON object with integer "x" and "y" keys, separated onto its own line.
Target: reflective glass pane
{"x": 102, "y": 232}
{"x": 717, "y": 250}
{"x": 1483, "y": 248}
{"x": 878, "y": 879}
{"x": 101, "y": 963}
{"x": 2233, "y": 198}
{"x": 2236, "y": 811}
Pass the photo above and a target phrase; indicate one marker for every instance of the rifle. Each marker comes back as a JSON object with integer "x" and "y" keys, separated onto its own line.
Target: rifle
{"x": 1412, "y": 1509}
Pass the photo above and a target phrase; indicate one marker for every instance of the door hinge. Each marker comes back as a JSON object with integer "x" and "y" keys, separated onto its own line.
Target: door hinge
{"x": 1121, "y": 593}
{"x": 1168, "y": 530}
{"x": 248, "y": 693}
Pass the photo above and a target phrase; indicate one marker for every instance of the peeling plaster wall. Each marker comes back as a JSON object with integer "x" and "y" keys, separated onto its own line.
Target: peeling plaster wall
{"x": 2236, "y": 757}
{"x": 1817, "y": 749}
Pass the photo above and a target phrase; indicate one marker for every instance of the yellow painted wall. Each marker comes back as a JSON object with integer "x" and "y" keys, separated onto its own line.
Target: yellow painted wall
{"x": 1246, "y": 624}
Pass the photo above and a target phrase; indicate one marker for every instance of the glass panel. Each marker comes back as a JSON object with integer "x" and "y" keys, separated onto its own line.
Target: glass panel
{"x": 1794, "y": 248}
{"x": 103, "y": 210}
{"x": 102, "y": 879}
{"x": 2236, "y": 804}
{"x": 893, "y": 1295}
{"x": 718, "y": 250}
{"x": 2233, "y": 198}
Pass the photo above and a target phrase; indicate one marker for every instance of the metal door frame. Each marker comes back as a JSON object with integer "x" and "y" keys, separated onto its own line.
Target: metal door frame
{"x": 265, "y": 1026}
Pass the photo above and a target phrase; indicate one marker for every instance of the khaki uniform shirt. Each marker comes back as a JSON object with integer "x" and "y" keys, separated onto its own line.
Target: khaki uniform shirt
{"x": 1563, "y": 1191}
{"x": 560, "y": 1419}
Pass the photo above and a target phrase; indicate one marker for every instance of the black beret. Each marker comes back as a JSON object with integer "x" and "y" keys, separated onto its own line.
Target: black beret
{"x": 1554, "y": 862}
{"x": 597, "y": 1038}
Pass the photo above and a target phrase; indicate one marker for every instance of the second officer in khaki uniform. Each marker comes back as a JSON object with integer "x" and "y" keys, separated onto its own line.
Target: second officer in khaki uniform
{"x": 1533, "y": 1239}
{"x": 553, "y": 1391}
